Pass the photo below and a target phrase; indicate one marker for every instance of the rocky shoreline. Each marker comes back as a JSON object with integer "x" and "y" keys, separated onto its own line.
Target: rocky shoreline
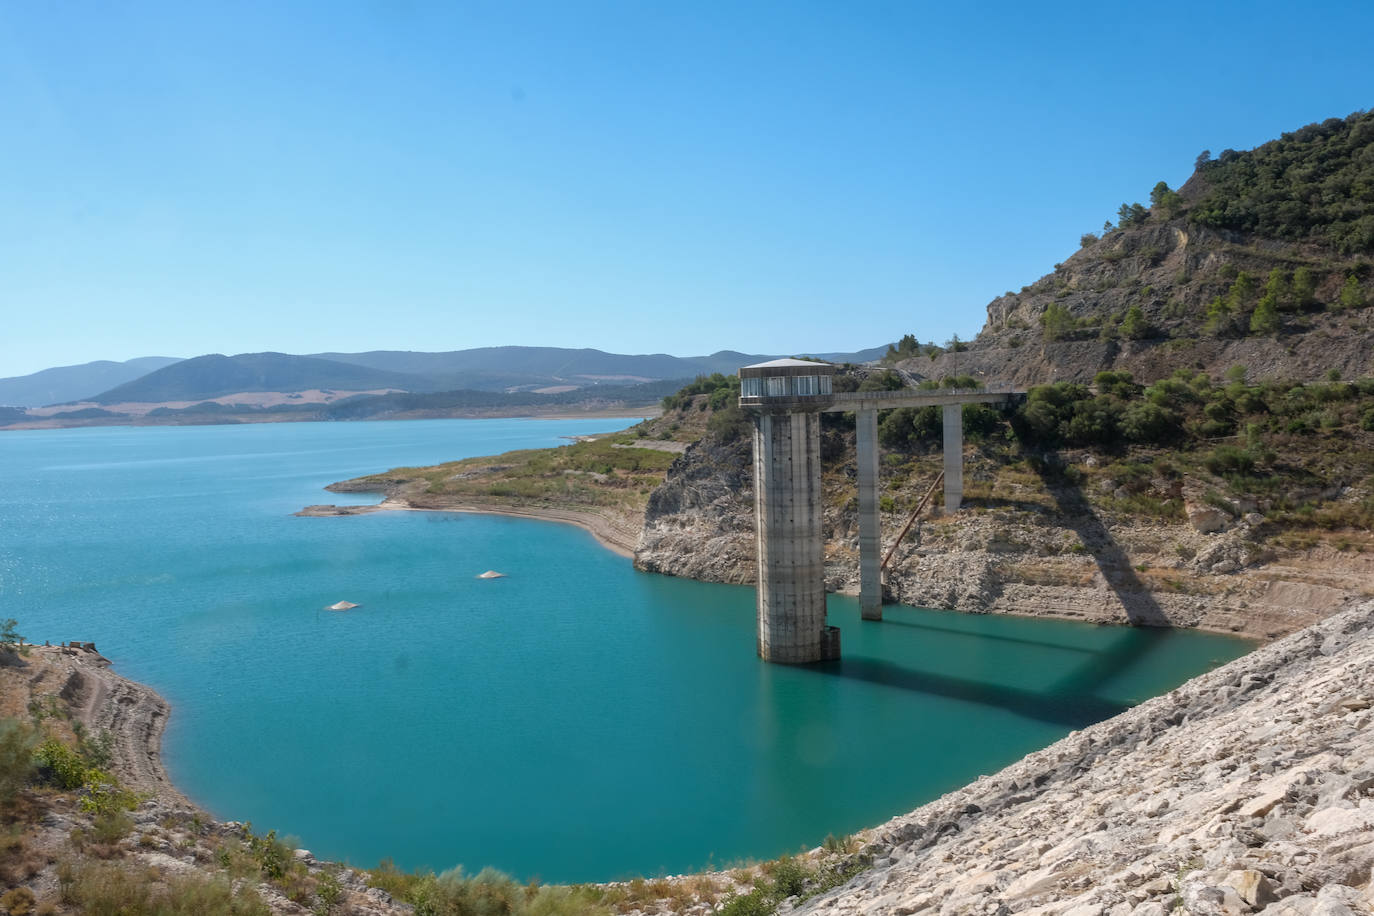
{"x": 133, "y": 714}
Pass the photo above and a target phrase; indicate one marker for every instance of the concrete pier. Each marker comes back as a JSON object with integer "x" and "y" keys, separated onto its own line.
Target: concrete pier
{"x": 954, "y": 457}
{"x": 870, "y": 540}
{"x": 787, "y": 507}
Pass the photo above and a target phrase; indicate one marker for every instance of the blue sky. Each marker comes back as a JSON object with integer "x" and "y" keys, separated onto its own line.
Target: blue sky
{"x": 184, "y": 178}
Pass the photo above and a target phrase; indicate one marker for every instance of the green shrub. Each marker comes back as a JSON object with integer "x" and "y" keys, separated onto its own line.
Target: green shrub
{"x": 197, "y": 896}
{"x": 980, "y": 421}
{"x": 1227, "y": 459}
{"x": 397, "y": 883}
{"x": 1058, "y": 322}
{"x": 789, "y": 878}
{"x": 97, "y": 749}
{"x": 109, "y": 890}
{"x": 489, "y": 893}
{"x": 1149, "y": 423}
{"x": 757, "y": 902}
{"x": 1134, "y": 325}
{"x": 730, "y": 423}
{"x": 60, "y": 765}
{"x": 17, "y": 741}
{"x": 104, "y": 890}
{"x": 8, "y": 637}
{"x": 966, "y": 382}
{"x": 565, "y": 901}
{"x": 887, "y": 380}
{"x": 837, "y": 844}
{"x": 103, "y": 795}
{"x": 273, "y": 856}
{"x": 1352, "y": 297}
{"x": 109, "y": 827}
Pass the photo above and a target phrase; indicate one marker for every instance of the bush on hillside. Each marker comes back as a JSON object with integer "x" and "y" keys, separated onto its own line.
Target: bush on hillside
{"x": 17, "y": 741}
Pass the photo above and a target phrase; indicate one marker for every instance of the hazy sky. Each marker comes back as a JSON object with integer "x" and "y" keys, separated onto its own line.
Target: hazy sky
{"x": 186, "y": 177}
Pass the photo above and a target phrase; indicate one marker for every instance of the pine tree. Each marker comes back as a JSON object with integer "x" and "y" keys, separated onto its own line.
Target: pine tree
{"x": 1057, "y": 321}
{"x": 1134, "y": 326}
{"x": 1218, "y": 317}
{"x": 1352, "y": 297}
{"x": 1304, "y": 288}
{"x": 1265, "y": 319}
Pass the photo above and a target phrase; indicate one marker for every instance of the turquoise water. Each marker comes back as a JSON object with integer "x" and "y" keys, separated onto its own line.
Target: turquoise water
{"x": 575, "y": 721}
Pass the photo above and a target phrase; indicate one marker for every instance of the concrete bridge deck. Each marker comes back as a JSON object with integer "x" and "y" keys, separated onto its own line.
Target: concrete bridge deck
{"x": 844, "y": 401}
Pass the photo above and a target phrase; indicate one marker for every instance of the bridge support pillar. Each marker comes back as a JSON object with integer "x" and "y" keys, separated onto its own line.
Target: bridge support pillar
{"x": 791, "y": 561}
{"x": 954, "y": 457}
{"x": 870, "y": 540}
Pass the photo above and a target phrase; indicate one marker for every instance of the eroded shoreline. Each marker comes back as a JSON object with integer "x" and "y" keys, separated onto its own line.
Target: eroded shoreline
{"x": 134, "y": 714}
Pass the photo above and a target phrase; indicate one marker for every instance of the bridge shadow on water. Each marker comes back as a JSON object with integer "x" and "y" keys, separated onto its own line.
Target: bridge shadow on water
{"x": 1073, "y": 700}
{"x": 1056, "y": 706}
{"x": 979, "y": 637}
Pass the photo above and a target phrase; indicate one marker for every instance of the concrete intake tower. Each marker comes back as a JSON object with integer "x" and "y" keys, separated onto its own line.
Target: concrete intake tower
{"x": 786, "y": 398}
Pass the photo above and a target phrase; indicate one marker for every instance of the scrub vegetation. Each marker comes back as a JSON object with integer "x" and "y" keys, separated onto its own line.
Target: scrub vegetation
{"x": 1302, "y": 455}
{"x": 616, "y": 472}
{"x": 748, "y": 890}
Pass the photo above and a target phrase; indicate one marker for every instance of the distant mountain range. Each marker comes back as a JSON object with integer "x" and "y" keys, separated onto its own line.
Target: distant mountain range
{"x": 500, "y": 368}
{"x": 74, "y": 383}
{"x": 490, "y": 369}
{"x": 213, "y": 376}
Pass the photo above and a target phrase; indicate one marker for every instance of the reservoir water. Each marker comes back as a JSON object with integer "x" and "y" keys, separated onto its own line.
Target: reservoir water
{"x": 577, "y": 720}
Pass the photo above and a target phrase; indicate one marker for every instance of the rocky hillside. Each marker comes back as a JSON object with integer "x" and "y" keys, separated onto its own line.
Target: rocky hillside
{"x": 1211, "y": 470}
{"x": 1263, "y": 259}
{"x": 1067, "y": 515}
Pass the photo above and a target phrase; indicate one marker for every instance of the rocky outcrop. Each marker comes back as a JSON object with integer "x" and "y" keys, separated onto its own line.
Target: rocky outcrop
{"x": 1248, "y": 789}
{"x": 700, "y": 522}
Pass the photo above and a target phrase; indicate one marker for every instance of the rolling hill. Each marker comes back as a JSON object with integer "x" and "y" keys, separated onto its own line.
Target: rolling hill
{"x": 500, "y": 368}
{"x": 490, "y": 369}
{"x": 215, "y": 375}
{"x": 1262, "y": 260}
{"x": 64, "y": 384}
